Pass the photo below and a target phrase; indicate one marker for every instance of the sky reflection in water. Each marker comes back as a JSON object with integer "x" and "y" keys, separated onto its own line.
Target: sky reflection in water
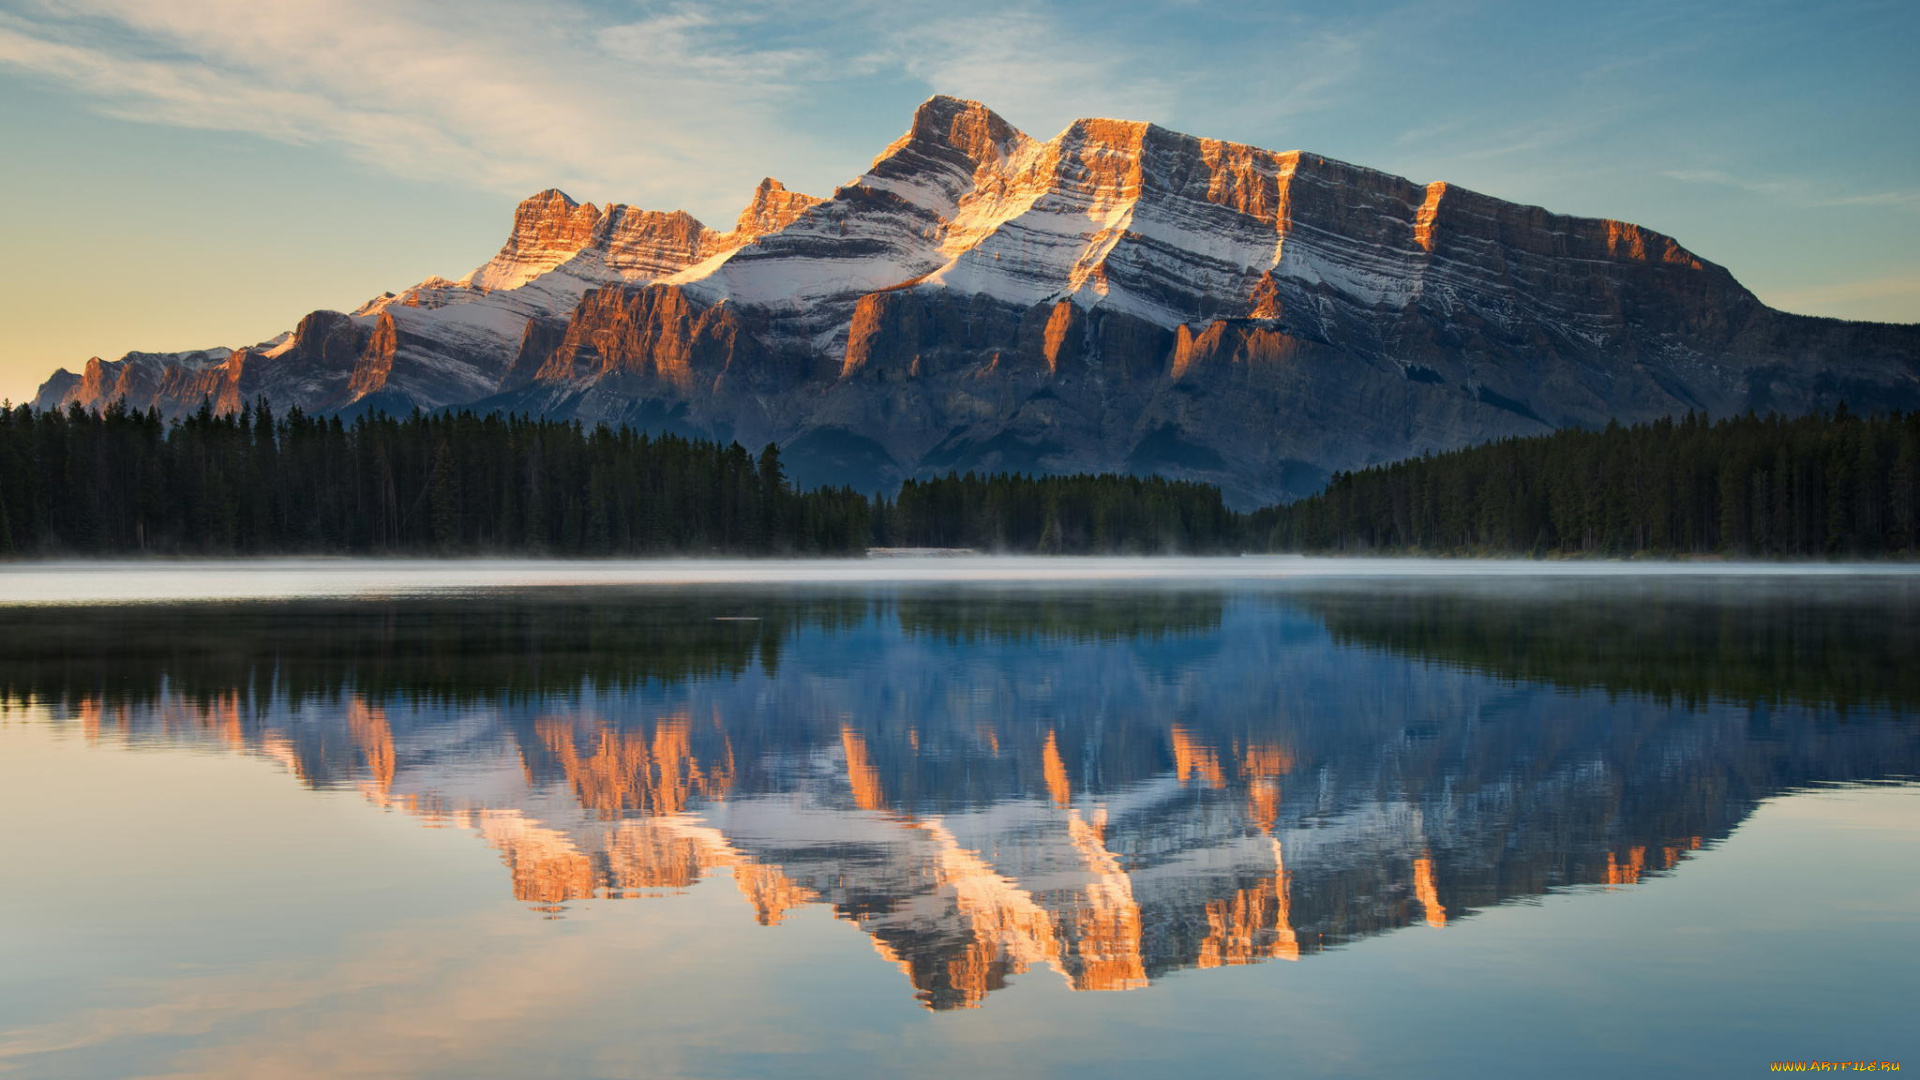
{"x": 740, "y": 830}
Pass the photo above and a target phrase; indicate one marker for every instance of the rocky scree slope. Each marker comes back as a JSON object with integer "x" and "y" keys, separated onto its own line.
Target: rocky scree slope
{"x": 1120, "y": 297}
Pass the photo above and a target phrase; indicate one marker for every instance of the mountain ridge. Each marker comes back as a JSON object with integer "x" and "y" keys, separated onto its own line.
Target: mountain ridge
{"x": 1119, "y": 297}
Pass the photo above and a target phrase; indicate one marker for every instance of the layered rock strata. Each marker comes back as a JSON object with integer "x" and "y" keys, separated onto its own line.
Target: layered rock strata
{"x": 1120, "y": 297}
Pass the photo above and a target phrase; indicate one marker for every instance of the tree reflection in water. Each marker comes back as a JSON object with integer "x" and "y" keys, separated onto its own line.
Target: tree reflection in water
{"x": 987, "y": 781}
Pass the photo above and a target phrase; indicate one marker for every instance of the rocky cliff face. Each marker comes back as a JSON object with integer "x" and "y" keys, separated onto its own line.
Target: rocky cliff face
{"x": 1120, "y": 297}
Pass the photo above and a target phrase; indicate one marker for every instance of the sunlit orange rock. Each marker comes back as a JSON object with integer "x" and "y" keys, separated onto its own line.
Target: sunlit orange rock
{"x": 545, "y": 864}
{"x": 861, "y": 774}
{"x": 370, "y": 729}
{"x": 771, "y": 892}
{"x": 1627, "y": 872}
{"x": 1253, "y": 924}
{"x": 1054, "y": 771}
{"x": 1103, "y": 926}
{"x": 1427, "y": 892}
{"x": 1193, "y": 758}
{"x": 1260, "y": 766}
{"x": 628, "y": 772}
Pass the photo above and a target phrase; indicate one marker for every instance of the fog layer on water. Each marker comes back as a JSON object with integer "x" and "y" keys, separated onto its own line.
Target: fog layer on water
{"x": 139, "y": 581}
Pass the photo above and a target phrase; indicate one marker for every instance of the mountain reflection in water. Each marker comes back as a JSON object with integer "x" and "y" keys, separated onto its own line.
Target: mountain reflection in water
{"x": 1114, "y": 786}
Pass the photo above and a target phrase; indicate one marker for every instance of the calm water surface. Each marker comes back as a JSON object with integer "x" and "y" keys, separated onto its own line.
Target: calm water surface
{"x": 956, "y": 818}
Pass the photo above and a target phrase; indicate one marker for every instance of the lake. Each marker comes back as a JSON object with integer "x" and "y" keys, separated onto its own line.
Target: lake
{"x": 956, "y": 818}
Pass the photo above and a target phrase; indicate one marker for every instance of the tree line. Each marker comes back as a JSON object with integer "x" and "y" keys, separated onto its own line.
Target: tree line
{"x": 119, "y": 481}
{"x": 1060, "y": 515}
{"x": 250, "y": 482}
{"x": 1814, "y": 486}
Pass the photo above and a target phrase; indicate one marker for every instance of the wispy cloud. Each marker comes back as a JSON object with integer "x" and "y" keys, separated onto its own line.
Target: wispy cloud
{"x": 665, "y": 103}
{"x": 1024, "y": 63}
{"x": 1302, "y": 65}
{"x": 1530, "y": 138}
{"x": 199, "y": 95}
{"x": 1425, "y": 132}
{"x": 656, "y": 104}
{"x": 491, "y": 99}
{"x": 688, "y": 41}
{"x": 656, "y": 100}
{"x": 503, "y": 97}
{"x": 1325, "y": 61}
{"x": 1797, "y": 190}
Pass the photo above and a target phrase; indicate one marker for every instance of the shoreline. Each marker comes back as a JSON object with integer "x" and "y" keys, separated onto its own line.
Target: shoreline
{"x": 46, "y": 583}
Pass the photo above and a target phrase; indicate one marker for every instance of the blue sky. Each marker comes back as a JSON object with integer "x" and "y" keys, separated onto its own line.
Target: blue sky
{"x": 185, "y": 173}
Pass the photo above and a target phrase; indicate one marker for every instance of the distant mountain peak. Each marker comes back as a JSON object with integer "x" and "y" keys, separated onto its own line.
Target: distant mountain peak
{"x": 772, "y": 208}
{"x": 548, "y": 229}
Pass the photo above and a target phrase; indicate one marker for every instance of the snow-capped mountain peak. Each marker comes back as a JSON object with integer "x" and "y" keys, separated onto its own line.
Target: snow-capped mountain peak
{"x": 1117, "y": 297}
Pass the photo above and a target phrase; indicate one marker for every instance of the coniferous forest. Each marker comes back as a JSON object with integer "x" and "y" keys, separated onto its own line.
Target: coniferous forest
{"x": 1811, "y": 487}
{"x": 116, "y": 482}
{"x": 1069, "y": 515}
{"x": 123, "y": 482}
{"x": 250, "y": 482}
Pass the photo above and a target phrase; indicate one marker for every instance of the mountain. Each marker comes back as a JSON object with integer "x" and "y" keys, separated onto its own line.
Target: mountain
{"x": 1120, "y": 297}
